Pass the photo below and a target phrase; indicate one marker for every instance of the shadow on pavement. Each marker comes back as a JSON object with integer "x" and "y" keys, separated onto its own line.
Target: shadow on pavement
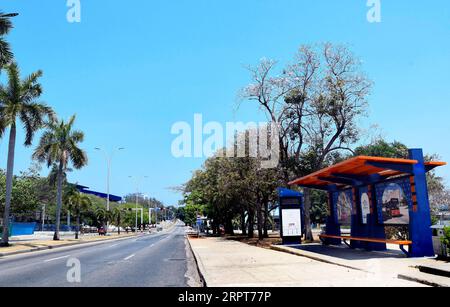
{"x": 346, "y": 253}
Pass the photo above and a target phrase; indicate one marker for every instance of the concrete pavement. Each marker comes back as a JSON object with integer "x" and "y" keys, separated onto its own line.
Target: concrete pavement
{"x": 158, "y": 260}
{"x": 234, "y": 264}
{"x": 389, "y": 264}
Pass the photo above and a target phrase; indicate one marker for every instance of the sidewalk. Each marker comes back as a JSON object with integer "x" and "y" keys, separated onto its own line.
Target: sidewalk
{"x": 20, "y": 245}
{"x": 388, "y": 264}
{"x": 226, "y": 263}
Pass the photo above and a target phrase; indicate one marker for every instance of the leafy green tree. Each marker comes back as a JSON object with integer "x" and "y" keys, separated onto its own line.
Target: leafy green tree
{"x": 25, "y": 197}
{"x": 446, "y": 238}
{"x": 18, "y": 103}
{"x": 59, "y": 144}
{"x": 381, "y": 148}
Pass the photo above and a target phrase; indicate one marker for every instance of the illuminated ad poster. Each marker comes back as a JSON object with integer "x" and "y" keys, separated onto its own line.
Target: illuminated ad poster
{"x": 344, "y": 207}
{"x": 364, "y": 204}
{"x": 292, "y": 222}
{"x": 394, "y": 201}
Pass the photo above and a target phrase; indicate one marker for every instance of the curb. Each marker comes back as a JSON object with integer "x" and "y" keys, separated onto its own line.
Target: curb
{"x": 434, "y": 271}
{"x": 37, "y": 249}
{"x": 279, "y": 249}
{"x": 202, "y": 277}
{"x": 421, "y": 281}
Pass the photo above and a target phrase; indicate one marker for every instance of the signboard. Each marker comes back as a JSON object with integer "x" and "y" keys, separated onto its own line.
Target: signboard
{"x": 344, "y": 207}
{"x": 394, "y": 202}
{"x": 364, "y": 205}
{"x": 292, "y": 222}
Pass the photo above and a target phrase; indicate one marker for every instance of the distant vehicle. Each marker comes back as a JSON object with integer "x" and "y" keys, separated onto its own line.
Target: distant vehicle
{"x": 393, "y": 208}
{"x": 102, "y": 231}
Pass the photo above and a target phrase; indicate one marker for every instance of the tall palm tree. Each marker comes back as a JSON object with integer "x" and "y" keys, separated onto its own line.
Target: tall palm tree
{"x": 18, "y": 104}
{"x": 5, "y": 50}
{"x": 103, "y": 217}
{"x": 78, "y": 203}
{"x": 59, "y": 144}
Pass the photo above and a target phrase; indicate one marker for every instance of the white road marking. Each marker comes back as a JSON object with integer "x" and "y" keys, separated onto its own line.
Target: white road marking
{"x": 59, "y": 258}
{"x": 114, "y": 245}
{"x": 129, "y": 257}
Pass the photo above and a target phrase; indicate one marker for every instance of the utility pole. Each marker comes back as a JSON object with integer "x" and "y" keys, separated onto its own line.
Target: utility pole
{"x": 43, "y": 217}
{"x": 138, "y": 181}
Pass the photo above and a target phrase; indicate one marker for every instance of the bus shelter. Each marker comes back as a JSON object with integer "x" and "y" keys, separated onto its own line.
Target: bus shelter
{"x": 368, "y": 194}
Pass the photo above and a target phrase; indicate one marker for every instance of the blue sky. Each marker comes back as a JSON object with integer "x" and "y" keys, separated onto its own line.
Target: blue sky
{"x": 131, "y": 69}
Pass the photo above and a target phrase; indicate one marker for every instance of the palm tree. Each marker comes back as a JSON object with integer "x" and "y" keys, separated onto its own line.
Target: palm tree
{"x": 116, "y": 215}
{"x": 18, "y": 104}
{"x": 103, "y": 217}
{"x": 59, "y": 144}
{"x": 77, "y": 204}
{"x": 5, "y": 50}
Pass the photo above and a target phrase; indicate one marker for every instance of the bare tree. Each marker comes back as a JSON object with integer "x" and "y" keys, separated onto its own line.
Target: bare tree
{"x": 316, "y": 101}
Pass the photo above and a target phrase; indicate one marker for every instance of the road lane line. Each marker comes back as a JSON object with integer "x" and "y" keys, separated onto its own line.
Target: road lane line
{"x": 114, "y": 245}
{"x": 129, "y": 257}
{"x": 58, "y": 258}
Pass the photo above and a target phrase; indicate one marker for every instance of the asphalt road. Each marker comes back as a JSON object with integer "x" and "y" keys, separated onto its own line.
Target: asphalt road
{"x": 157, "y": 260}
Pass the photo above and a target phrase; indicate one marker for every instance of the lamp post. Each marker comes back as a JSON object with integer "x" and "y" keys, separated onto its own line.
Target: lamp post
{"x": 138, "y": 182}
{"x": 108, "y": 174}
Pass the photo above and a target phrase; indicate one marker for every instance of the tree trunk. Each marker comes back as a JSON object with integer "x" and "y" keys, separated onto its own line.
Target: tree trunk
{"x": 251, "y": 223}
{"x": 266, "y": 219}
{"x": 9, "y": 182}
{"x": 118, "y": 225}
{"x": 78, "y": 226}
{"x": 243, "y": 224}
{"x": 307, "y": 198}
{"x": 56, "y": 236}
{"x": 229, "y": 226}
{"x": 259, "y": 217}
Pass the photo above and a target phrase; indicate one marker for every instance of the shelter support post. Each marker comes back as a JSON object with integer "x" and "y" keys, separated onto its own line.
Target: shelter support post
{"x": 420, "y": 217}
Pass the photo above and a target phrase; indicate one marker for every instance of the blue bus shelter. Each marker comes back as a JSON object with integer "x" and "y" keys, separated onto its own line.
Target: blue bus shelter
{"x": 368, "y": 194}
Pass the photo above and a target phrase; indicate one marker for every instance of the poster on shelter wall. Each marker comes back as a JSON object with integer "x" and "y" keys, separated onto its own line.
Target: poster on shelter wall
{"x": 364, "y": 204}
{"x": 344, "y": 207}
{"x": 292, "y": 222}
{"x": 394, "y": 202}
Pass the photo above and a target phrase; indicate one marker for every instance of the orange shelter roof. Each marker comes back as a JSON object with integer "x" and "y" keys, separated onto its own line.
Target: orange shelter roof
{"x": 359, "y": 167}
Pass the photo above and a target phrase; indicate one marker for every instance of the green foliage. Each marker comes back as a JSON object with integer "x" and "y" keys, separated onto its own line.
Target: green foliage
{"x": 25, "y": 196}
{"x": 319, "y": 207}
{"x": 446, "y": 238}
{"x": 381, "y": 148}
{"x": 6, "y": 54}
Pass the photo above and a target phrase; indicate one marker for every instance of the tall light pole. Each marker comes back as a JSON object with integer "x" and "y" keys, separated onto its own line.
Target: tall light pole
{"x": 138, "y": 182}
{"x": 108, "y": 166}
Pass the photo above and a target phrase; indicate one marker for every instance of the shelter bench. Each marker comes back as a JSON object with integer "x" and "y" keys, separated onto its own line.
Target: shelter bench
{"x": 401, "y": 243}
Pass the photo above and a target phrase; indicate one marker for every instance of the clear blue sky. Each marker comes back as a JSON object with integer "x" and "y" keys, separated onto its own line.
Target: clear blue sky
{"x": 131, "y": 69}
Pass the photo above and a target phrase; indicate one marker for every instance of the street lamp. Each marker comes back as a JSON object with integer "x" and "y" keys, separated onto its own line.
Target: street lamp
{"x": 138, "y": 182}
{"x": 108, "y": 165}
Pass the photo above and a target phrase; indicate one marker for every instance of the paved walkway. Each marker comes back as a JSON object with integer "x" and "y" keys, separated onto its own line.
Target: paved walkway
{"x": 387, "y": 264}
{"x": 233, "y": 264}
